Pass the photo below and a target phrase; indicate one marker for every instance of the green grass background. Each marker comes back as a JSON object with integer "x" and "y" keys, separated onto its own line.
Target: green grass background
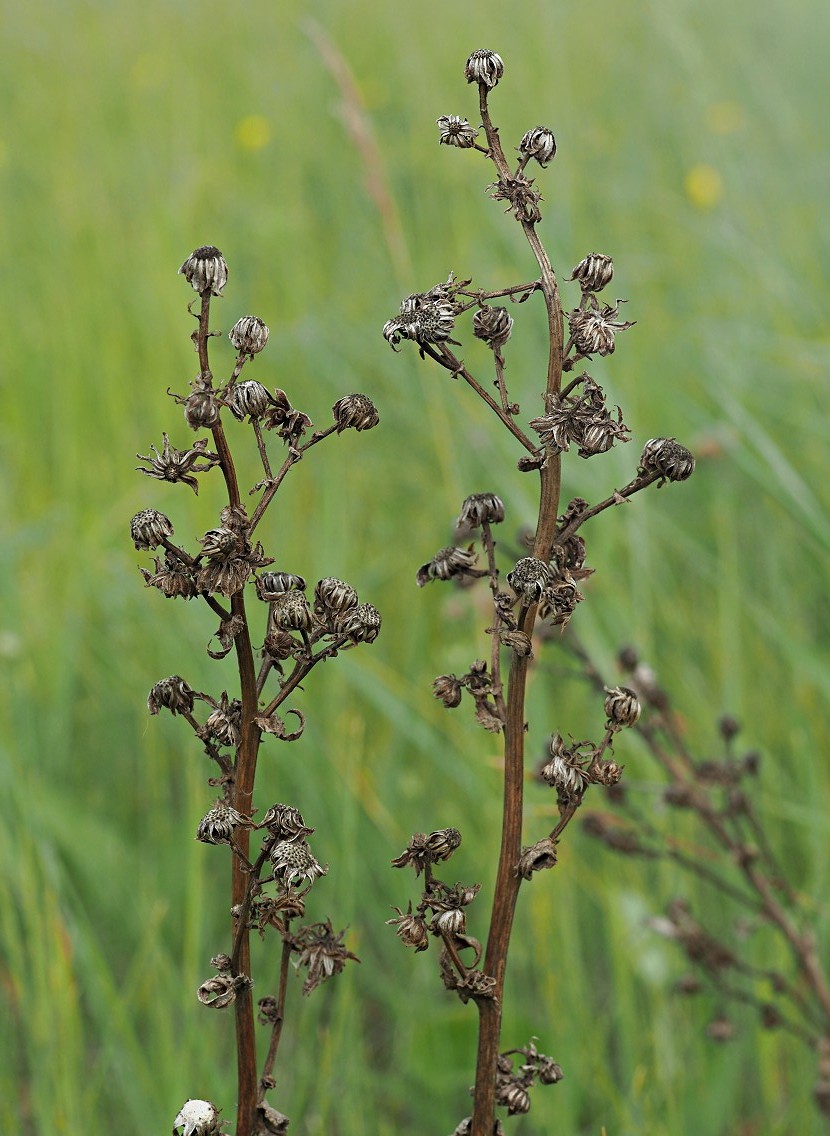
{"x": 693, "y": 146}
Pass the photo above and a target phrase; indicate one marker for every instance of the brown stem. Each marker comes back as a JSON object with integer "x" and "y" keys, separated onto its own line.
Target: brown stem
{"x": 507, "y": 877}
{"x": 276, "y": 1032}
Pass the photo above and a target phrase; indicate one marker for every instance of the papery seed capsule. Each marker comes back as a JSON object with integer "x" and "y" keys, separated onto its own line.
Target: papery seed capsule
{"x": 668, "y": 458}
{"x": 172, "y": 694}
{"x": 593, "y": 272}
{"x": 149, "y": 528}
{"x": 205, "y": 270}
{"x": 480, "y": 508}
{"x": 538, "y": 143}
{"x": 622, "y": 707}
{"x": 332, "y": 597}
{"x": 271, "y": 585}
{"x": 250, "y": 398}
{"x": 249, "y": 335}
{"x": 455, "y": 131}
{"x": 356, "y": 412}
{"x": 492, "y": 325}
{"x": 484, "y": 67}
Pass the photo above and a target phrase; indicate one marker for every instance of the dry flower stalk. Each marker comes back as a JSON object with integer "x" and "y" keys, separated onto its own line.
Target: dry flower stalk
{"x": 542, "y": 588}
{"x": 269, "y": 887}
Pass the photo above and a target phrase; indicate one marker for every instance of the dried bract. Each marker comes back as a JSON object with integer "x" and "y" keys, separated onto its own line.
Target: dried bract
{"x": 321, "y": 952}
{"x": 523, "y": 200}
{"x": 249, "y": 335}
{"x": 205, "y": 270}
{"x": 218, "y": 993}
{"x": 455, "y": 131}
{"x": 172, "y": 577}
{"x": 411, "y": 929}
{"x": 179, "y": 465}
{"x": 424, "y": 850}
{"x": 594, "y": 327}
{"x": 281, "y": 416}
{"x": 448, "y": 689}
{"x": 149, "y": 528}
{"x": 485, "y": 67}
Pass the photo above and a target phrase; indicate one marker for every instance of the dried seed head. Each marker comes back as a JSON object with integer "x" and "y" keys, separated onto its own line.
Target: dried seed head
{"x": 333, "y": 597}
{"x": 537, "y": 857}
{"x": 514, "y": 1096}
{"x": 480, "y": 508}
{"x": 280, "y": 645}
{"x": 411, "y": 929}
{"x": 285, "y": 822}
{"x": 593, "y": 328}
{"x": 218, "y": 825}
{"x": 249, "y": 335}
{"x": 171, "y": 694}
{"x": 425, "y": 317}
{"x": 593, "y": 272}
{"x": 361, "y": 623}
{"x": 549, "y": 1072}
{"x": 271, "y": 1121}
{"x": 222, "y": 544}
{"x": 294, "y": 862}
{"x": 538, "y": 143}
{"x": 565, "y": 772}
{"x": 668, "y": 458}
{"x": 172, "y": 577}
{"x": 493, "y": 325}
{"x": 271, "y": 585}
{"x": 448, "y": 689}
{"x": 250, "y": 398}
{"x": 291, "y": 612}
{"x": 224, "y": 722}
{"x": 222, "y": 963}
{"x": 205, "y": 271}
{"x": 449, "y": 922}
{"x": 529, "y": 579}
{"x": 356, "y": 412}
{"x": 218, "y": 992}
{"x": 197, "y": 1118}
{"x": 455, "y": 131}
{"x": 484, "y": 67}
{"x": 281, "y": 416}
{"x": 423, "y": 850}
{"x": 445, "y": 564}
{"x": 622, "y": 707}
{"x": 321, "y": 952}
{"x": 179, "y": 465}
{"x": 149, "y": 528}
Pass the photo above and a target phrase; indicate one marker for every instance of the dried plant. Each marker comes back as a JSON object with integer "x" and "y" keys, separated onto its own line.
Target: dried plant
{"x": 542, "y": 588}
{"x": 269, "y": 886}
{"x": 729, "y": 849}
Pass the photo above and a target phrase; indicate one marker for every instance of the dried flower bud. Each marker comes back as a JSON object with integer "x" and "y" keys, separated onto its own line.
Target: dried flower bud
{"x": 448, "y": 689}
{"x": 565, "y": 772}
{"x": 492, "y": 325}
{"x": 361, "y": 623}
{"x": 538, "y": 143}
{"x": 222, "y": 544}
{"x": 197, "y": 1118}
{"x": 333, "y": 597}
{"x": 537, "y": 857}
{"x": 172, "y": 577}
{"x": 218, "y": 993}
{"x": 356, "y": 412}
{"x": 291, "y": 612}
{"x": 285, "y": 822}
{"x": 411, "y": 929}
{"x": 272, "y": 585}
{"x": 224, "y": 722}
{"x": 529, "y": 579}
{"x": 514, "y": 1096}
{"x": 179, "y": 465}
{"x": 668, "y": 458}
{"x": 479, "y": 509}
{"x": 455, "y": 131}
{"x": 484, "y": 67}
{"x": 250, "y": 398}
{"x": 445, "y": 564}
{"x": 218, "y": 825}
{"x": 293, "y": 861}
{"x": 593, "y": 272}
{"x": 249, "y": 335}
{"x": 423, "y": 850}
{"x": 149, "y": 528}
{"x": 622, "y": 707}
{"x": 450, "y": 922}
{"x": 321, "y": 952}
{"x": 222, "y": 963}
{"x": 549, "y": 1072}
{"x": 171, "y": 694}
{"x": 280, "y": 645}
{"x": 201, "y": 410}
{"x": 205, "y": 270}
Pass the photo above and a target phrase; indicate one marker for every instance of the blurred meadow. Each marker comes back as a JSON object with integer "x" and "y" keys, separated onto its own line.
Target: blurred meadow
{"x": 693, "y": 147}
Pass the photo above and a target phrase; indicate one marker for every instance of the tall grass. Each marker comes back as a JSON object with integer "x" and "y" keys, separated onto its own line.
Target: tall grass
{"x": 691, "y": 148}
